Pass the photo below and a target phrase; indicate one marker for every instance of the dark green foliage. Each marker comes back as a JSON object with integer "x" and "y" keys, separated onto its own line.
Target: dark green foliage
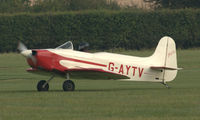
{"x": 101, "y": 29}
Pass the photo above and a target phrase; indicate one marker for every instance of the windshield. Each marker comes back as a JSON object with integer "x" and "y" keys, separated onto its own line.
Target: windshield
{"x": 67, "y": 45}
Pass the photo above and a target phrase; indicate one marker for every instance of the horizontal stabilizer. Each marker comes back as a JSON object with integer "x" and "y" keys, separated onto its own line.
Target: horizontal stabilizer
{"x": 164, "y": 68}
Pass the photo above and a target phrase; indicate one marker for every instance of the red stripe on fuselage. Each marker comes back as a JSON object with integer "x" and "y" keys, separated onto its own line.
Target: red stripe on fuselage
{"x": 45, "y": 57}
{"x": 86, "y": 62}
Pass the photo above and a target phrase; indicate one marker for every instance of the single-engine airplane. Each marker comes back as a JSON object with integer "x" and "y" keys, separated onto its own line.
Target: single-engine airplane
{"x": 67, "y": 62}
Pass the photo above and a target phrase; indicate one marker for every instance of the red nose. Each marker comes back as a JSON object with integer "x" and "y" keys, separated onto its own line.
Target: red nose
{"x": 31, "y": 63}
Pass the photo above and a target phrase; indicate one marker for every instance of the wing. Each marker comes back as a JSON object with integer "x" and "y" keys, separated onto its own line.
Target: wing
{"x": 84, "y": 70}
{"x": 89, "y": 71}
{"x": 95, "y": 74}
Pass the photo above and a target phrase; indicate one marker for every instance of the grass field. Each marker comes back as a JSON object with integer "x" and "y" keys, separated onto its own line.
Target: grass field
{"x": 100, "y": 100}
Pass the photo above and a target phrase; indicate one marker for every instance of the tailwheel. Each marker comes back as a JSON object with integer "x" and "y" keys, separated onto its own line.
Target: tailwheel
{"x": 68, "y": 85}
{"x": 42, "y": 85}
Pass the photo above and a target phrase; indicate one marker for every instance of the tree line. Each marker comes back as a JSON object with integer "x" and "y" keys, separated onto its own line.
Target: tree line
{"x": 101, "y": 29}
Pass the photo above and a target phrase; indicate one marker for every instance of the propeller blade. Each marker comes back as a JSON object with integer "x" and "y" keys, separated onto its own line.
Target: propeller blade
{"x": 21, "y": 47}
{"x": 23, "y": 50}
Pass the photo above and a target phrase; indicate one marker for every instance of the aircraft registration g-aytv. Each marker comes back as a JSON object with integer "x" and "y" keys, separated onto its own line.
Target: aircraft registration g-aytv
{"x": 63, "y": 60}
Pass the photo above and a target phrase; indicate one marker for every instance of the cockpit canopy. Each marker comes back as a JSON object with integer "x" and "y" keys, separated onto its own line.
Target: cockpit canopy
{"x": 67, "y": 45}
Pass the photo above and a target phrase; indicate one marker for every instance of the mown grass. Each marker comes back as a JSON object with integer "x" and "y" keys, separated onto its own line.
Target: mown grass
{"x": 100, "y": 100}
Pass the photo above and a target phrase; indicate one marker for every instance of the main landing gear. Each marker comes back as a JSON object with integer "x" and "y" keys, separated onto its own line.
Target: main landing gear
{"x": 68, "y": 85}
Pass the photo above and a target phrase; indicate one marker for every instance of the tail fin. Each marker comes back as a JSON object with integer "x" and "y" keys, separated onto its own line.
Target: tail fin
{"x": 164, "y": 58}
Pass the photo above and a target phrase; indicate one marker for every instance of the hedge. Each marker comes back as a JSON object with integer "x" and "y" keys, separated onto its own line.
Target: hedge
{"x": 101, "y": 29}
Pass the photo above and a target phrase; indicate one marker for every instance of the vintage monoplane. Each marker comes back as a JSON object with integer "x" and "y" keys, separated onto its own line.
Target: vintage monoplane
{"x": 67, "y": 62}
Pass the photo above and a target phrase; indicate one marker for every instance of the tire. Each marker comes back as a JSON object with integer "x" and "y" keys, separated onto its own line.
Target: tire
{"x": 40, "y": 86}
{"x": 68, "y": 85}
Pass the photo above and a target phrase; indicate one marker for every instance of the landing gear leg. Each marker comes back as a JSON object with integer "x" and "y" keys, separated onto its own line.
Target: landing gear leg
{"x": 43, "y": 85}
{"x": 68, "y": 85}
{"x": 165, "y": 84}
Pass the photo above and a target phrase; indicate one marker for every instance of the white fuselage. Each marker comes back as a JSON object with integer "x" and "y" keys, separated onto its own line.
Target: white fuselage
{"x": 136, "y": 68}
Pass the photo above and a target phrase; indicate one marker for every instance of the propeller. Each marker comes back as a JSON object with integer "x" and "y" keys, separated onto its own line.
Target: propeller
{"x": 21, "y": 47}
{"x": 27, "y": 53}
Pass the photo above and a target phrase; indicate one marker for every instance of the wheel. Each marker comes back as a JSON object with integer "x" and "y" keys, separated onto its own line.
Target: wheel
{"x": 68, "y": 85}
{"x": 40, "y": 86}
